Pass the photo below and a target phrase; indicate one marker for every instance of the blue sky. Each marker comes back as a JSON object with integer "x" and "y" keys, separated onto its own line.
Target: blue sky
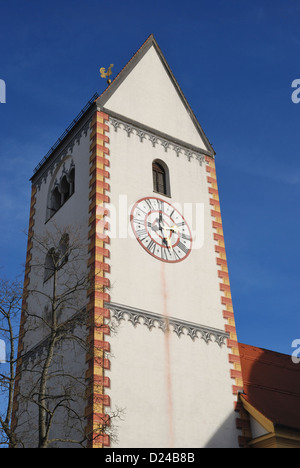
{"x": 235, "y": 62}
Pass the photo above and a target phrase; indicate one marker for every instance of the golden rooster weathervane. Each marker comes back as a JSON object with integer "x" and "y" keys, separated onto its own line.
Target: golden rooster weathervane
{"x": 106, "y": 74}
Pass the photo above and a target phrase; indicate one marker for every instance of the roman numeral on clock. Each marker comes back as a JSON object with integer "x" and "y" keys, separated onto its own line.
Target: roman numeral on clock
{"x": 151, "y": 246}
{"x": 164, "y": 253}
{"x": 142, "y": 233}
{"x": 182, "y": 247}
{"x": 149, "y": 204}
{"x": 184, "y": 236}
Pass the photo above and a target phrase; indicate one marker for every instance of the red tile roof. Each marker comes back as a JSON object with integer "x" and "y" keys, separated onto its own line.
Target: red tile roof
{"x": 271, "y": 384}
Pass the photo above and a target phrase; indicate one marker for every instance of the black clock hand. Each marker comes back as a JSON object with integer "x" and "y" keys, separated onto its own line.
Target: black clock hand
{"x": 160, "y": 219}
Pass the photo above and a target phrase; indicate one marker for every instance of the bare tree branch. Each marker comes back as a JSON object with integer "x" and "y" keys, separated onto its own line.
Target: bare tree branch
{"x": 56, "y": 324}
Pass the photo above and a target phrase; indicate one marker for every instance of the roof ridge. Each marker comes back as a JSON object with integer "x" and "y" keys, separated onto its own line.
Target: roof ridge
{"x": 265, "y": 352}
{"x": 71, "y": 126}
{"x": 127, "y": 64}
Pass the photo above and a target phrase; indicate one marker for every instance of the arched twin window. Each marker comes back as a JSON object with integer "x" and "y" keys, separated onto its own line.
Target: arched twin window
{"x": 161, "y": 178}
{"x": 62, "y": 191}
{"x": 56, "y": 258}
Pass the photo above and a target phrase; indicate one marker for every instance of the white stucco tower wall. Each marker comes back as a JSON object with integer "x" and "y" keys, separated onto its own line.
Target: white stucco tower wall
{"x": 168, "y": 383}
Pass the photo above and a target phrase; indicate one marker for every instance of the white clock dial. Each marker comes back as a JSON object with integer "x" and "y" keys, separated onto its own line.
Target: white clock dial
{"x": 161, "y": 229}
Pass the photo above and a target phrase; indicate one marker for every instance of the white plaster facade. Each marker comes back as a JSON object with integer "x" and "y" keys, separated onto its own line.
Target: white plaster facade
{"x": 169, "y": 386}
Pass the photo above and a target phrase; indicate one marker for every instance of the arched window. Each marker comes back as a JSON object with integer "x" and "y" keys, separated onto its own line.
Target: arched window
{"x": 62, "y": 191}
{"x": 56, "y": 258}
{"x": 72, "y": 181}
{"x": 161, "y": 181}
{"x": 55, "y": 200}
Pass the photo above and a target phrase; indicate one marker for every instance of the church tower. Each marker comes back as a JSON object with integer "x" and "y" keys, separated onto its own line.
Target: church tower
{"x": 135, "y": 174}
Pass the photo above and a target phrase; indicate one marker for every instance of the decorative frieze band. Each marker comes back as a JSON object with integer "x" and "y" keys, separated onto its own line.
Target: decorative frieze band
{"x": 36, "y": 353}
{"x": 167, "y": 144}
{"x": 151, "y": 320}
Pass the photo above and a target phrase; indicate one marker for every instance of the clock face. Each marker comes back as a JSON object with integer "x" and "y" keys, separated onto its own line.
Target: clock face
{"x": 161, "y": 230}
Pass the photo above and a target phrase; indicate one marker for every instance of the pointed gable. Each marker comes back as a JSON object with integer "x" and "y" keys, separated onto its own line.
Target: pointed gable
{"x": 146, "y": 92}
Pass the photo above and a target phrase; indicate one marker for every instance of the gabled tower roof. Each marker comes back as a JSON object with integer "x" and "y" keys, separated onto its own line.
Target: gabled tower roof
{"x": 146, "y": 92}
